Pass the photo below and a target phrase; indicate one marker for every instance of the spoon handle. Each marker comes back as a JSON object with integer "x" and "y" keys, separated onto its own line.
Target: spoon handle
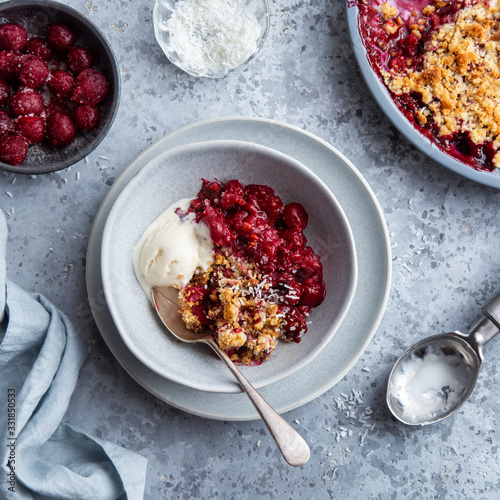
{"x": 291, "y": 444}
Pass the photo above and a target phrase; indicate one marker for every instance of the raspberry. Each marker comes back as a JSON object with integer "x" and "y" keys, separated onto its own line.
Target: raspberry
{"x": 33, "y": 72}
{"x": 13, "y": 37}
{"x": 61, "y": 130}
{"x": 13, "y": 149}
{"x": 6, "y": 123}
{"x": 62, "y": 83}
{"x": 39, "y": 47}
{"x": 91, "y": 87}
{"x": 55, "y": 106}
{"x": 295, "y": 215}
{"x": 86, "y": 117}
{"x": 60, "y": 37}
{"x": 313, "y": 292}
{"x": 79, "y": 59}
{"x": 4, "y": 91}
{"x": 9, "y": 65}
{"x": 410, "y": 45}
{"x": 26, "y": 102}
{"x": 399, "y": 64}
{"x": 74, "y": 91}
{"x": 295, "y": 324}
{"x": 31, "y": 127}
{"x": 294, "y": 237}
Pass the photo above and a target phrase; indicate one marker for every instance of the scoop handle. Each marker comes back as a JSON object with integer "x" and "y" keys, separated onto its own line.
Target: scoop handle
{"x": 487, "y": 328}
{"x": 492, "y": 310}
{"x": 291, "y": 444}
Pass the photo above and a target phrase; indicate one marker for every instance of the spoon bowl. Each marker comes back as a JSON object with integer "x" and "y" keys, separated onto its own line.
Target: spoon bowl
{"x": 416, "y": 394}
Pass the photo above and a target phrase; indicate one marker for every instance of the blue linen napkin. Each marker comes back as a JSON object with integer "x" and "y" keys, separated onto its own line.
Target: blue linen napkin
{"x": 40, "y": 458}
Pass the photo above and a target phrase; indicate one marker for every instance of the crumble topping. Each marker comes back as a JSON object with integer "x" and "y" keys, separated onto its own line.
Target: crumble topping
{"x": 391, "y": 27}
{"x": 238, "y": 304}
{"x": 458, "y": 78}
{"x": 388, "y": 11}
{"x": 429, "y": 10}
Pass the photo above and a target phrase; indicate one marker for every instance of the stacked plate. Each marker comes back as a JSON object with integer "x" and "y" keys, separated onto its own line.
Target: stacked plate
{"x": 180, "y": 380}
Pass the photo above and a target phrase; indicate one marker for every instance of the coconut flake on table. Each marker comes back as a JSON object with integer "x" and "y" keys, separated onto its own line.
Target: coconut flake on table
{"x": 215, "y": 36}
{"x": 350, "y": 404}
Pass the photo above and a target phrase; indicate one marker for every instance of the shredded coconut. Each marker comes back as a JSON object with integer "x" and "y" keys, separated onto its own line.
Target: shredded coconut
{"x": 213, "y": 37}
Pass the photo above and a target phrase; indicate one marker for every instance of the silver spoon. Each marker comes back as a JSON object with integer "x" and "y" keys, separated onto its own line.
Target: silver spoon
{"x": 432, "y": 379}
{"x": 290, "y": 443}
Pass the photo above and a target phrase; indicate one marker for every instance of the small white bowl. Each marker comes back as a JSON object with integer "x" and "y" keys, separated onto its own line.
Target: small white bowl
{"x": 177, "y": 174}
{"x": 162, "y": 19}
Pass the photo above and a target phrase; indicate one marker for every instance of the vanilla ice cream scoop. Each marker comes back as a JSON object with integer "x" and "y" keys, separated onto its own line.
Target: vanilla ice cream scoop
{"x": 171, "y": 249}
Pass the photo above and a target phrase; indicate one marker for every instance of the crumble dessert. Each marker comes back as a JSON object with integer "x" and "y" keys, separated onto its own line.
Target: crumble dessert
{"x": 241, "y": 264}
{"x": 440, "y": 61}
{"x": 236, "y": 303}
{"x": 265, "y": 278}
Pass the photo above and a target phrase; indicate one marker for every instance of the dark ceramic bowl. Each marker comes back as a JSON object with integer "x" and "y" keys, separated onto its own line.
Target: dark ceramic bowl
{"x": 35, "y": 17}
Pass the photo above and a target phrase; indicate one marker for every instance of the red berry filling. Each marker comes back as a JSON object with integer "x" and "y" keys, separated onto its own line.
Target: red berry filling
{"x": 295, "y": 215}
{"x": 252, "y": 225}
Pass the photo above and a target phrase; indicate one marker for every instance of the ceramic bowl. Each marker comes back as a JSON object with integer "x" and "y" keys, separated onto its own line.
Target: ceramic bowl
{"x": 384, "y": 100}
{"x": 177, "y": 174}
{"x": 189, "y": 61}
{"x": 35, "y": 17}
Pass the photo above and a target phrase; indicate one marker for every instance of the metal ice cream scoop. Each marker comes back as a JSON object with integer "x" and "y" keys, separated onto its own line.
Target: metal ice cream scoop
{"x": 432, "y": 379}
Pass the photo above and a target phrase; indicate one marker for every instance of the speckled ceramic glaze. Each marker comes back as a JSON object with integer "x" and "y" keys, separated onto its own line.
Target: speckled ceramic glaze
{"x": 384, "y": 100}
{"x": 177, "y": 174}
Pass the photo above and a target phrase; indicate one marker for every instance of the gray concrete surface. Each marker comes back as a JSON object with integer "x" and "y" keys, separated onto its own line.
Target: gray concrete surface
{"x": 444, "y": 234}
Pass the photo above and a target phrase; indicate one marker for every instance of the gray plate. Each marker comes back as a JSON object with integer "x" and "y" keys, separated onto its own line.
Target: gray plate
{"x": 176, "y": 174}
{"x": 384, "y": 100}
{"x": 364, "y": 315}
